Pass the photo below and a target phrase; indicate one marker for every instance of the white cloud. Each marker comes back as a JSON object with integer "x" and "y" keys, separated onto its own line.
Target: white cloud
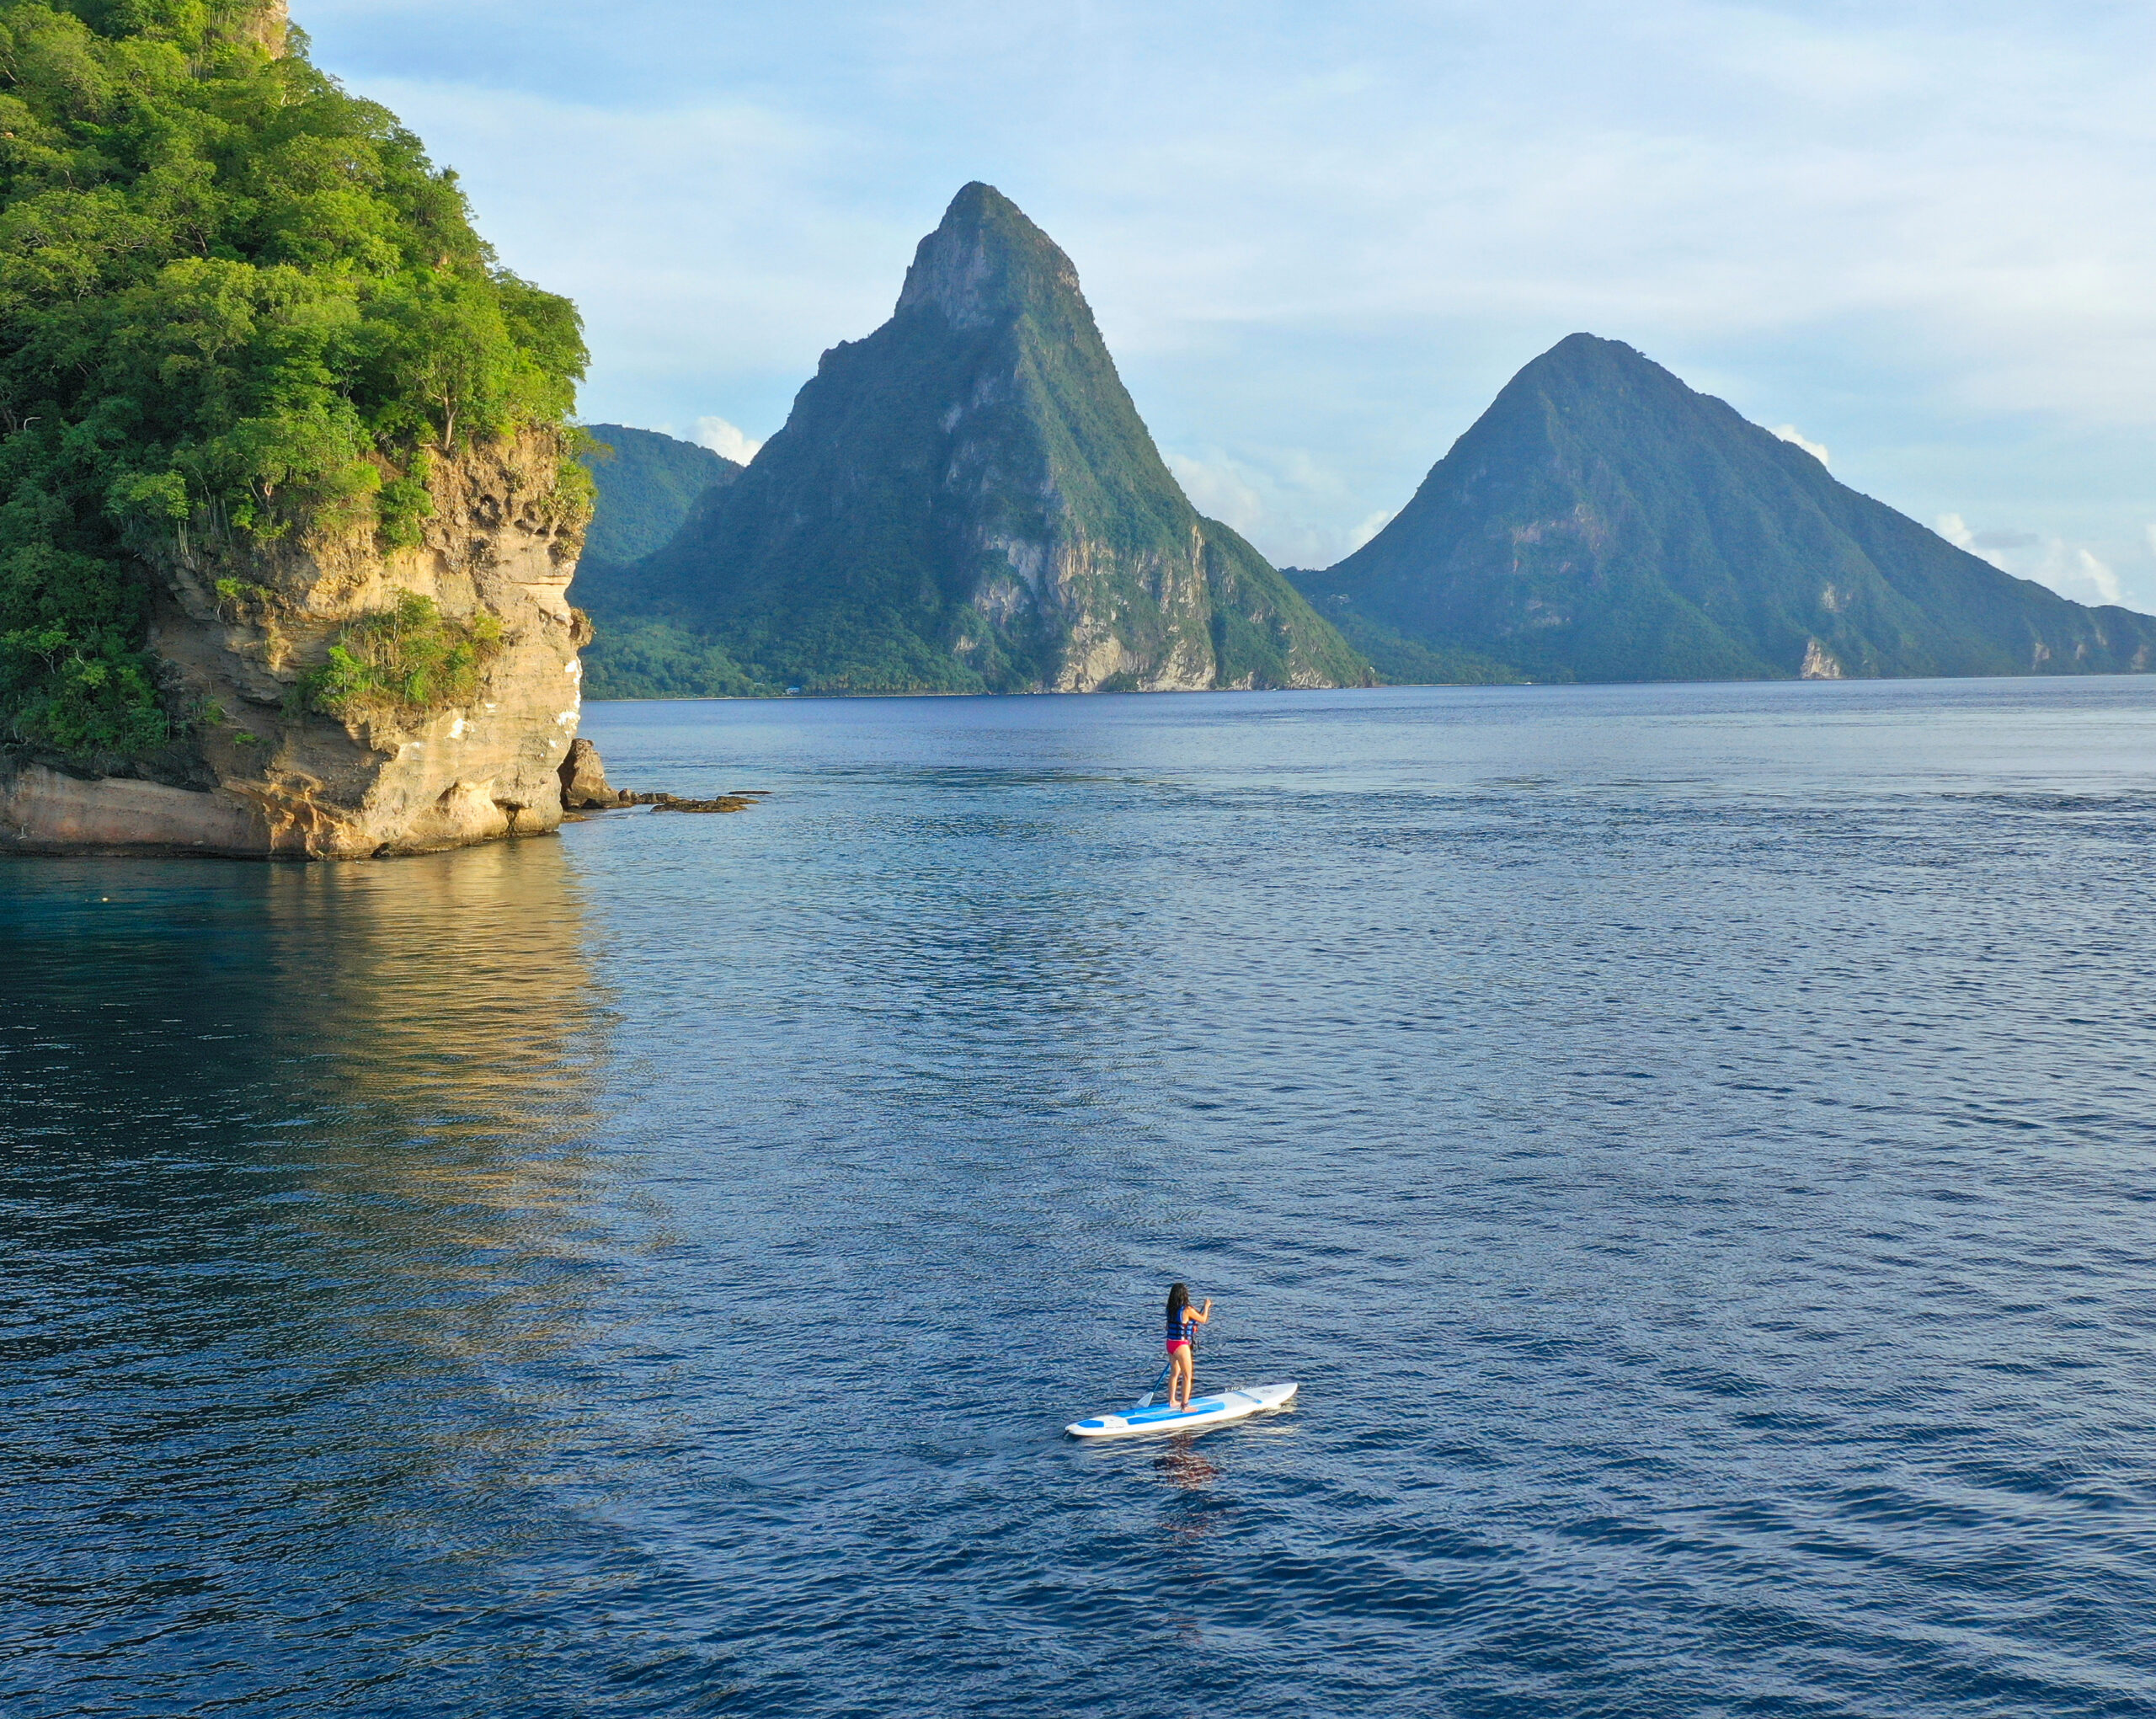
{"x": 1920, "y": 228}
{"x": 2073, "y": 571}
{"x": 1285, "y": 506}
{"x": 2100, "y": 577}
{"x": 1219, "y": 490}
{"x": 728, "y": 442}
{"x": 1789, "y": 432}
{"x": 1370, "y": 528}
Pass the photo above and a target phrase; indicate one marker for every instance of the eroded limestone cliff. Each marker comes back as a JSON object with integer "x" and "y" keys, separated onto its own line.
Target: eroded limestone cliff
{"x": 287, "y": 532}
{"x": 242, "y": 631}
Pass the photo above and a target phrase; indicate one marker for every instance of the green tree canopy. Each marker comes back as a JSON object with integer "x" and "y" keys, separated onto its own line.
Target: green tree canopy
{"x": 235, "y": 301}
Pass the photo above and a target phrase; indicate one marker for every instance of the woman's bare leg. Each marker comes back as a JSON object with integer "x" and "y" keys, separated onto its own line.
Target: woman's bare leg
{"x": 1180, "y": 1379}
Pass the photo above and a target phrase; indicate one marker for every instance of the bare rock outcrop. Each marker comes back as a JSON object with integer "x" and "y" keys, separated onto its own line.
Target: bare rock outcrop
{"x": 268, "y": 24}
{"x": 676, "y": 803}
{"x": 584, "y": 780}
{"x": 584, "y": 788}
{"x": 237, "y": 626}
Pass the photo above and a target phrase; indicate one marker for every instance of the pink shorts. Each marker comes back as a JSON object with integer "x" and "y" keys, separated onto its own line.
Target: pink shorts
{"x": 1175, "y": 1344}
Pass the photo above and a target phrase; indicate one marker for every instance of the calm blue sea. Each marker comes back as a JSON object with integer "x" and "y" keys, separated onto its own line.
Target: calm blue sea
{"x": 1692, "y": 1144}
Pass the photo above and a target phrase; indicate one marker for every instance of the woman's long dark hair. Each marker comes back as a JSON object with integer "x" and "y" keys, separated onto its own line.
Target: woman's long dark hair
{"x": 1178, "y": 1299}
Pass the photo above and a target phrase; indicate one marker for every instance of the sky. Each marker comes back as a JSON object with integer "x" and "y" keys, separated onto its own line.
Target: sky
{"x": 1919, "y": 237}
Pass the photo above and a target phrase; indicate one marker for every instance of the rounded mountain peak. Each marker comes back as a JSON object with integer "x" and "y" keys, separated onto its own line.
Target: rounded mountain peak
{"x": 1590, "y": 358}
{"x": 1585, "y": 372}
{"x": 986, "y": 263}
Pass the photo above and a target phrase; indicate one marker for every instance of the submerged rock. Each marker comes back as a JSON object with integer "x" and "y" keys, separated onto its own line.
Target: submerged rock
{"x": 584, "y": 788}
{"x": 675, "y": 802}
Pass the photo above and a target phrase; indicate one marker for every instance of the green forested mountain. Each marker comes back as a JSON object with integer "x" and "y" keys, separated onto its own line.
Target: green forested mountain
{"x": 236, "y": 306}
{"x": 648, "y": 484}
{"x": 1602, "y": 521}
{"x": 967, "y": 501}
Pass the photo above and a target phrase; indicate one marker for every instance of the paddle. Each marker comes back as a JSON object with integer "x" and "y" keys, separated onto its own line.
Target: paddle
{"x": 1161, "y": 1379}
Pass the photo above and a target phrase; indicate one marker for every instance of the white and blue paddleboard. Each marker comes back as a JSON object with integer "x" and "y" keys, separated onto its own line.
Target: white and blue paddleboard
{"x": 1204, "y": 1412}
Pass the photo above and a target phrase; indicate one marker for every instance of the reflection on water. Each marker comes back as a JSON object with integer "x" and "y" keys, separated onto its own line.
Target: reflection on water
{"x": 292, "y": 1153}
{"x": 1690, "y": 1143}
{"x": 1182, "y": 1466}
{"x": 456, "y": 987}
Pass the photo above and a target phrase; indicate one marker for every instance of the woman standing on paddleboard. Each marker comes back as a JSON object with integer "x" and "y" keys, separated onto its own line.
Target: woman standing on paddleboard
{"x": 1182, "y": 1336}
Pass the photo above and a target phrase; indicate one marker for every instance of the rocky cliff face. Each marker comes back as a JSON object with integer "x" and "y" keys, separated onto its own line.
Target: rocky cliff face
{"x": 284, "y": 560}
{"x": 265, "y": 22}
{"x": 265, "y": 770}
{"x": 967, "y": 500}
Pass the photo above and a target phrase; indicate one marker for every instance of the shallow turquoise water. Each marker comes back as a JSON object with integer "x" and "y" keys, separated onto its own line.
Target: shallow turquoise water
{"x": 1692, "y": 1144}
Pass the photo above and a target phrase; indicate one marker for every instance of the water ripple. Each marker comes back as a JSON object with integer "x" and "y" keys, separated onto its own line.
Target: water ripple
{"x": 1688, "y": 1141}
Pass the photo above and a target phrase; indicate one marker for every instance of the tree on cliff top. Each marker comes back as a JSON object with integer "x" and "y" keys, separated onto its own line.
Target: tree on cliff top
{"x": 235, "y": 302}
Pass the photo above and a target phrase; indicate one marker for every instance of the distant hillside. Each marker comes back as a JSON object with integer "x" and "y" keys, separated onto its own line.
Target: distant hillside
{"x": 647, "y": 484}
{"x": 1397, "y": 659}
{"x": 967, "y": 501}
{"x": 1602, "y": 521}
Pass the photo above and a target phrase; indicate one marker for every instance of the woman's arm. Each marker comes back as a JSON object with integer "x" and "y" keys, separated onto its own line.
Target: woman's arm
{"x": 1204, "y": 1317}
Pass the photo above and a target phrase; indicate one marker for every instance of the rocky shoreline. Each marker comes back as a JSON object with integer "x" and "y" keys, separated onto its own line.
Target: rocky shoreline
{"x": 47, "y": 810}
{"x": 585, "y": 790}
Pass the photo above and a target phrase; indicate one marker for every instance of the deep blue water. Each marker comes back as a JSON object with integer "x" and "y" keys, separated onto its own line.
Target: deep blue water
{"x": 1692, "y": 1144}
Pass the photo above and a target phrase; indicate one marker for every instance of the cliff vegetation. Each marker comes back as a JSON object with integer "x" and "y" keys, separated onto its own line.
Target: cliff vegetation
{"x": 407, "y": 659}
{"x": 236, "y": 304}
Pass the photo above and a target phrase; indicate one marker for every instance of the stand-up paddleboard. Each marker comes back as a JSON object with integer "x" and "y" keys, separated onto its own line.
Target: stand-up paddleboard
{"x": 1204, "y": 1412}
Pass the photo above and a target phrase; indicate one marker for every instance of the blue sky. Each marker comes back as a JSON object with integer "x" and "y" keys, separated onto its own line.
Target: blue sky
{"x": 1319, "y": 238}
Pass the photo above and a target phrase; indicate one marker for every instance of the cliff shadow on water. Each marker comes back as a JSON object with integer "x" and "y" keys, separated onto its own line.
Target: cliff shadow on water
{"x": 306, "y": 1223}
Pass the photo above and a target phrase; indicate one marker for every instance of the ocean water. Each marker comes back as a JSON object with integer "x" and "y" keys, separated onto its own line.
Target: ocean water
{"x": 1692, "y": 1145}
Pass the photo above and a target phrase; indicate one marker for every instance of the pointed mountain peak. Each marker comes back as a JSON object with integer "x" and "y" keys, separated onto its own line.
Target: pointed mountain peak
{"x": 985, "y": 263}
{"x": 966, "y": 500}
